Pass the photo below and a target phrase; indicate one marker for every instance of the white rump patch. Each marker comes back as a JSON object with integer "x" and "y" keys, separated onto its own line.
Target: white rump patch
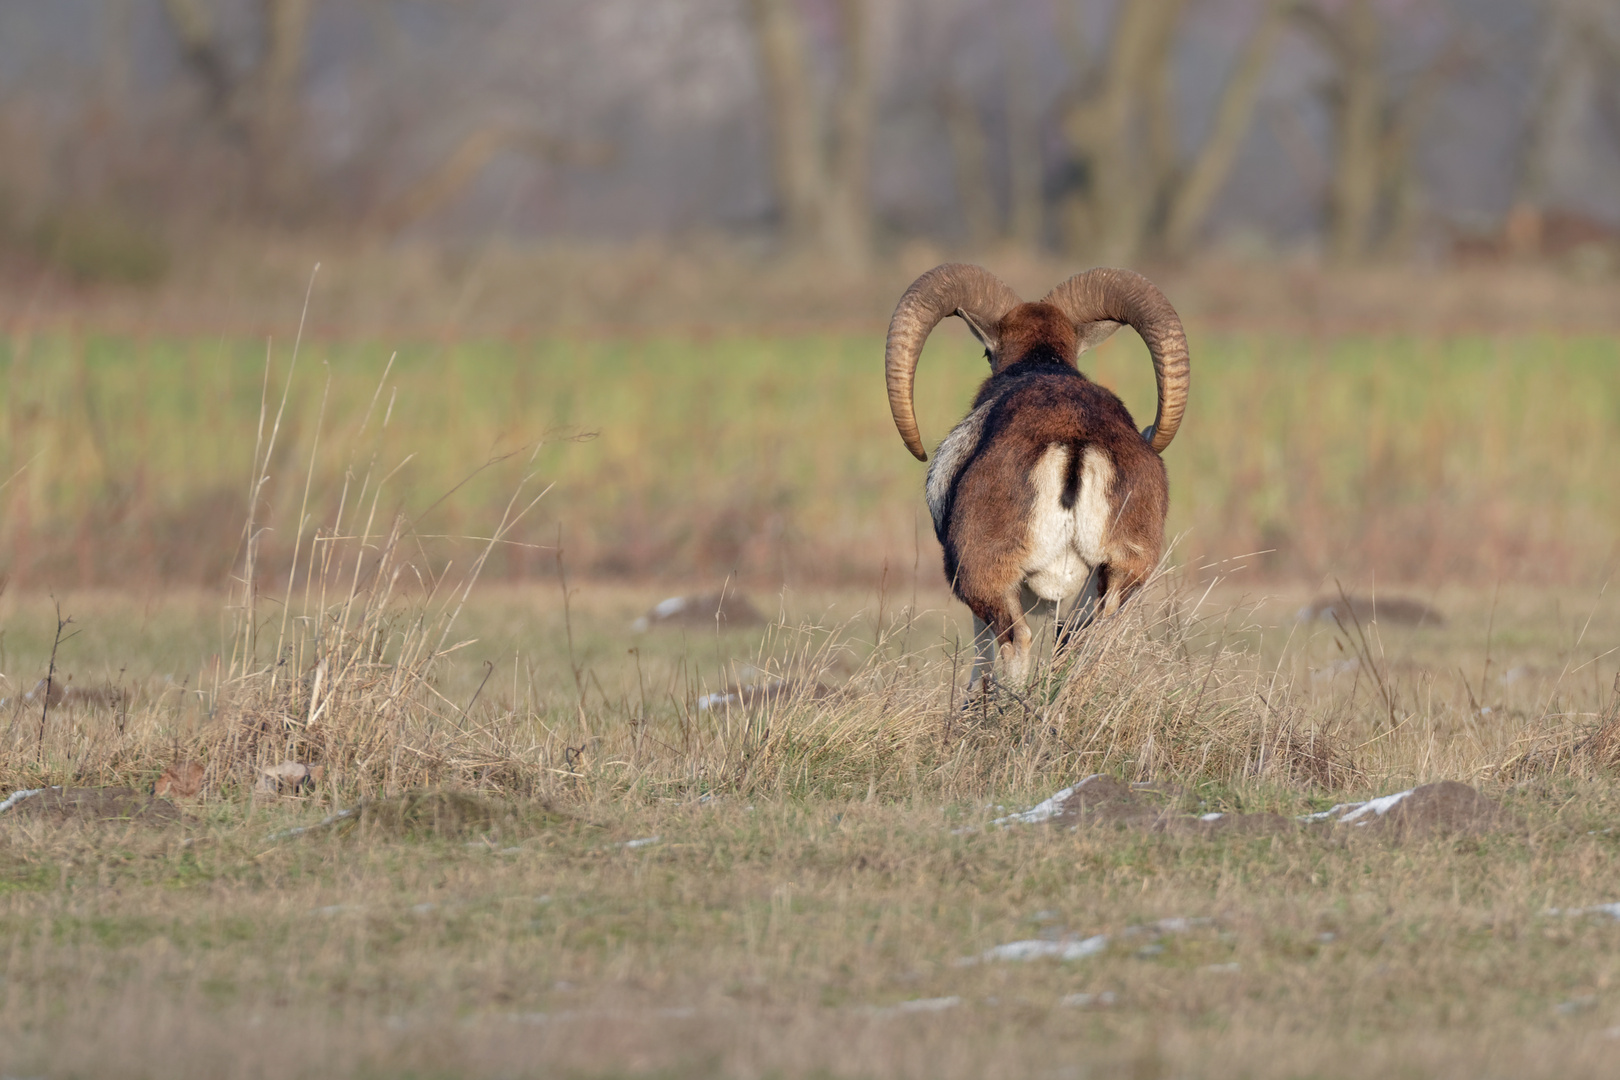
{"x": 1065, "y": 543}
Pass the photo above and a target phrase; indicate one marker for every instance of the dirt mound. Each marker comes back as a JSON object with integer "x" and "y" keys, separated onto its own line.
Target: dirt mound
{"x": 1444, "y": 807}
{"x": 1097, "y": 800}
{"x": 61, "y": 692}
{"x": 422, "y": 814}
{"x": 62, "y": 805}
{"x": 1392, "y": 610}
{"x": 1261, "y": 824}
{"x": 1104, "y": 800}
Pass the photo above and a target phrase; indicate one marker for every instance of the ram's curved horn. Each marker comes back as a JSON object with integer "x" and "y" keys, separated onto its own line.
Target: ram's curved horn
{"x": 1123, "y": 296}
{"x": 972, "y": 292}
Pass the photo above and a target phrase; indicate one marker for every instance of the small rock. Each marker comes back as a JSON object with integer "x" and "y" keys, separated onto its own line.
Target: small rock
{"x": 1394, "y": 610}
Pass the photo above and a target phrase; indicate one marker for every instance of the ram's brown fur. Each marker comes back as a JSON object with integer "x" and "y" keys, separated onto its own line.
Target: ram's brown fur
{"x": 984, "y": 486}
{"x": 986, "y": 531}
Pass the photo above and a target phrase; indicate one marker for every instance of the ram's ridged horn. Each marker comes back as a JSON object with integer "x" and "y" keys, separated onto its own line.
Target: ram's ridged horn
{"x": 972, "y": 292}
{"x": 1122, "y": 296}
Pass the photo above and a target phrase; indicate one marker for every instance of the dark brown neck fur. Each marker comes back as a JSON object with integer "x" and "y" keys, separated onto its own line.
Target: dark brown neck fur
{"x": 1034, "y": 333}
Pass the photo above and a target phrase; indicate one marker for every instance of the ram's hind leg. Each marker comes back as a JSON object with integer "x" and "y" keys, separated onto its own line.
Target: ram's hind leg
{"x": 1081, "y": 611}
{"x": 1121, "y": 577}
{"x": 999, "y": 626}
{"x": 984, "y": 657}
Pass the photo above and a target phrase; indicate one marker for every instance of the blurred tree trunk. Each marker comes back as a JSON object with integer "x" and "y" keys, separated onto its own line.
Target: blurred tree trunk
{"x": 849, "y": 211}
{"x": 1357, "y": 100}
{"x": 970, "y": 153}
{"x": 1190, "y": 202}
{"x": 1108, "y": 214}
{"x": 1025, "y": 169}
{"x": 118, "y": 46}
{"x": 193, "y": 25}
{"x": 1137, "y": 192}
{"x": 262, "y": 105}
{"x": 286, "y": 31}
{"x": 1374, "y": 194}
{"x": 821, "y": 167}
{"x": 1577, "y": 43}
{"x": 795, "y": 136}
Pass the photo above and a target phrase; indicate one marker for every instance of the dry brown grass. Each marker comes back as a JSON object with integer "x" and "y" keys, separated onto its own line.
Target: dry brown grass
{"x": 558, "y": 863}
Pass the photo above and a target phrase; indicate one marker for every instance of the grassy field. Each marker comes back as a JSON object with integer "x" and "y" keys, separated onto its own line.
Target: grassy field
{"x": 820, "y": 881}
{"x": 1401, "y": 458}
{"x": 822, "y": 939}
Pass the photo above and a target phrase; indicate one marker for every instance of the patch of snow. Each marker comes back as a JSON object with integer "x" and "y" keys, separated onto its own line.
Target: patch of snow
{"x": 916, "y": 1005}
{"x": 1038, "y": 949}
{"x": 1612, "y": 910}
{"x": 18, "y": 796}
{"x": 939, "y": 1004}
{"x": 1349, "y": 813}
{"x": 1513, "y": 675}
{"x": 1086, "y": 1001}
{"x": 1211, "y": 817}
{"x": 1045, "y": 811}
{"x": 1376, "y": 807}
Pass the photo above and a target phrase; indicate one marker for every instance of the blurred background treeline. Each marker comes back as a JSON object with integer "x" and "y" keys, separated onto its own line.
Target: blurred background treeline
{"x": 659, "y": 239}
{"x": 1103, "y": 130}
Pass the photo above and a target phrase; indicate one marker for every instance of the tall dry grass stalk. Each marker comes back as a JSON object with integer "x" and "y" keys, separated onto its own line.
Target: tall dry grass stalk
{"x": 351, "y": 684}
